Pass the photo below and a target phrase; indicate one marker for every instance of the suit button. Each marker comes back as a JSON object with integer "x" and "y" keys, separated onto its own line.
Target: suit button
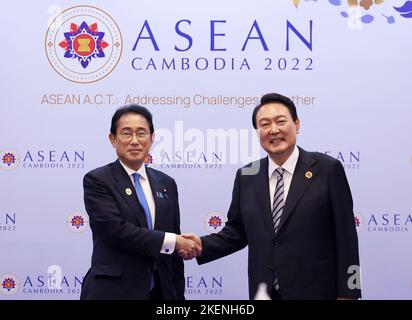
{"x": 276, "y": 244}
{"x": 272, "y": 268}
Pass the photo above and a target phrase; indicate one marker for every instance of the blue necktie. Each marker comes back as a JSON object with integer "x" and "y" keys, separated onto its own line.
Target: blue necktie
{"x": 143, "y": 202}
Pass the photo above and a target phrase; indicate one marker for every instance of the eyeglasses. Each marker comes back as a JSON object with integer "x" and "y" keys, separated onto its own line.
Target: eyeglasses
{"x": 140, "y": 135}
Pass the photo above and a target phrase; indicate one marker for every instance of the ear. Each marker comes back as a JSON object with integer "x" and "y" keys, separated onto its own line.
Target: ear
{"x": 152, "y": 137}
{"x": 297, "y": 125}
{"x": 112, "y": 139}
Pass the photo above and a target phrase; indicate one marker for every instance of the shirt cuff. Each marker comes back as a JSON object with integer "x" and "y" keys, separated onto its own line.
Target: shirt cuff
{"x": 169, "y": 243}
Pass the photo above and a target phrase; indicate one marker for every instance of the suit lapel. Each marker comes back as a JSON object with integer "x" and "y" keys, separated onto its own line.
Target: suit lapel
{"x": 260, "y": 186}
{"x": 303, "y": 176}
{"x": 126, "y": 189}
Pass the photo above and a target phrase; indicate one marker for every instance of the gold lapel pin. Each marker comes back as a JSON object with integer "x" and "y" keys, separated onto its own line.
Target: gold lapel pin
{"x": 128, "y": 191}
{"x": 308, "y": 174}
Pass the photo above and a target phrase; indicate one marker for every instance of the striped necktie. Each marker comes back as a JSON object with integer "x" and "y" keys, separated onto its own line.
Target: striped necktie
{"x": 277, "y": 210}
{"x": 278, "y": 202}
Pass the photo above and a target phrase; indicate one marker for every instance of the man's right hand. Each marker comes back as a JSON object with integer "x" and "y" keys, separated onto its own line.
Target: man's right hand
{"x": 188, "y": 246}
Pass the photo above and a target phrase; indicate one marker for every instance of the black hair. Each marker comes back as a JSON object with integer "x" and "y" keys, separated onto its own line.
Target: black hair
{"x": 275, "y": 97}
{"x": 132, "y": 108}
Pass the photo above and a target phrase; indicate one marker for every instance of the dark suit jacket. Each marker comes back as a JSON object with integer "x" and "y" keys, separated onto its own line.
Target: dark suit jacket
{"x": 316, "y": 241}
{"x": 125, "y": 252}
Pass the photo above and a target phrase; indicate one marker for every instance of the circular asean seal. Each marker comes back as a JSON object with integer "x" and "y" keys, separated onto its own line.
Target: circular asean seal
{"x": 214, "y": 221}
{"x": 83, "y": 44}
{"x": 9, "y": 284}
{"x": 77, "y": 221}
{"x": 9, "y": 159}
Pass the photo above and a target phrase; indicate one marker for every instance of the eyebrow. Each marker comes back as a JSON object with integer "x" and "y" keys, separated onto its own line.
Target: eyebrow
{"x": 269, "y": 118}
{"x": 131, "y": 129}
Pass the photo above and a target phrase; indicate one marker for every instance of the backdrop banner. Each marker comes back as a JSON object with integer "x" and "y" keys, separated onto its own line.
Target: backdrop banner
{"x": 201, "y": 68}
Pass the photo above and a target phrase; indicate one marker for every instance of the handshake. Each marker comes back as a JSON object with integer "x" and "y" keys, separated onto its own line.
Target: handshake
{"x": 188, "y": 246}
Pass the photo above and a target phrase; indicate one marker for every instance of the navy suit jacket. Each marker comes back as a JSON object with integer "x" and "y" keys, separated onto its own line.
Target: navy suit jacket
{"x": 125, "y": 252}
{"x": 316, "y": 242}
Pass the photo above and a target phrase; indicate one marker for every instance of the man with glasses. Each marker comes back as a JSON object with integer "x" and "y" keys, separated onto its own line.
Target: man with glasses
{"x": 134, "y": 218}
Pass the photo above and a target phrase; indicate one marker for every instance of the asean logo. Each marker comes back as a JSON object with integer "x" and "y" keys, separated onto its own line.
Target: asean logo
{"x": 10, "y": 284}
{"x": 77, "y": 221}
{"x": 358, "y": 222}
{"x": 214, "y": 221}
{"x": 9, "y": 159}
{"x": 83, "y": 44}
{"x": 148, "y": 159}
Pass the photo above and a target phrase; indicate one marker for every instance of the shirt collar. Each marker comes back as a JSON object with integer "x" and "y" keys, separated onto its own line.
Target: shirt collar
{"x": 142, "y": 170}
{"x": 289, "y": 165}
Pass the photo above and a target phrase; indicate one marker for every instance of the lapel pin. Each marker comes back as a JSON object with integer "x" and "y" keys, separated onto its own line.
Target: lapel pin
{"x": 128, "y": 191}
{"x": 162, "y": 194}
{"x": 308, "y": 174}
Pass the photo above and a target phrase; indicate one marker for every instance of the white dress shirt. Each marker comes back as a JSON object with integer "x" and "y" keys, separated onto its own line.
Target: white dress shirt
{"x": 169, "y": 241}
{"x": 289, "y": 167}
